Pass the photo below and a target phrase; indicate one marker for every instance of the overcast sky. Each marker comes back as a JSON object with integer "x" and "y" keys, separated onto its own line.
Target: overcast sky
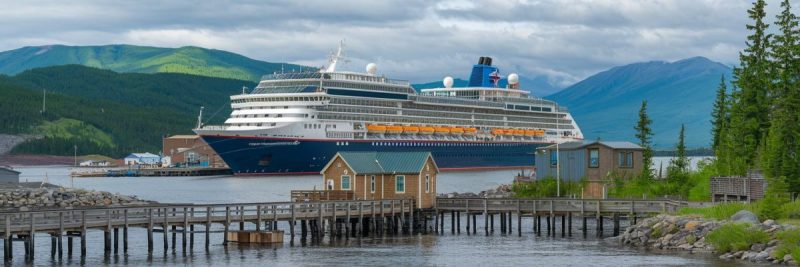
{"x": 408, "y": 39}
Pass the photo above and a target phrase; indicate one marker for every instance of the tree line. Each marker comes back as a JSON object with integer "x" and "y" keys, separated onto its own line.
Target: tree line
{"x": 755, "y": 124}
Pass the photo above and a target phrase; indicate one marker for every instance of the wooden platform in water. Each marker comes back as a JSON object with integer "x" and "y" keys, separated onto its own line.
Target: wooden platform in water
{"x": 261, "y": 237}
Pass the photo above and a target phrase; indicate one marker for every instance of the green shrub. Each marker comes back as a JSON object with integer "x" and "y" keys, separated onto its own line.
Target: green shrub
{"x": 735, "y": 237}
{"x": 722, "y": 211}
{"x": 790, "y": 243}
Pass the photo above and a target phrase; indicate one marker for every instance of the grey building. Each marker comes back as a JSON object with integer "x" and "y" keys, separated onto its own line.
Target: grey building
{"x": 8, "y": 175}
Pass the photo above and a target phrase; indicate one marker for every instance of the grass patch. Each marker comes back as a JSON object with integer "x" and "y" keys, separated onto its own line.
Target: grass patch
{"x": 720, "y": 211}
{"x": 790, "y": 244}
{"x": 735, "y": 237}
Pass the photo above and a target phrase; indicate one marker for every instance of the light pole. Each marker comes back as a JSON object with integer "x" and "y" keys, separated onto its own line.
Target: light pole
{"x": 558, "y": 158}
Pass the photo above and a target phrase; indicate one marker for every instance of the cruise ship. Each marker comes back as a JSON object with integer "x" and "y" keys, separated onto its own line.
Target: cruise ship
{"x": 294, "y": 123}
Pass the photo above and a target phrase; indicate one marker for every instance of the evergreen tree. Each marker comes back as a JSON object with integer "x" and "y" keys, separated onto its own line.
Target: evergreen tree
{"x": 644, "y": 133}
{"x": 780, "y": 157}
{"x": 750, "y": 109}
{"x": 678, "y": 170}
{"x": 719, "y": 115}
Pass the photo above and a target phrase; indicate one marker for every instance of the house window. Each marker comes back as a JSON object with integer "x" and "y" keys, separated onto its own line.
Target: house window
{"x": 626, "y": 159}
{"x": 427, "y": 183}
{"x": 372, "y": 184}
{"x": 345, "y": 182}
{"x": 400, "y": 184}
{"x": 594, "y": 158}
{"x": 553, "y": 158}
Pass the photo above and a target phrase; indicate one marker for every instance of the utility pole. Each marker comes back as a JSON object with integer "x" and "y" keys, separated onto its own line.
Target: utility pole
{"x": 558, "y": 157}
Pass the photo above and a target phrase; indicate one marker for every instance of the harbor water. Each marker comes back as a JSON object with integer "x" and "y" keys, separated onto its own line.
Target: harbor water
{"x": 418, "y": 250}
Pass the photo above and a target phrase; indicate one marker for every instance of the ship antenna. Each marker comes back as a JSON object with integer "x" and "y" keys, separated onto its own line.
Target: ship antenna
{"x": 334, "y": 58}
{"x": 200, "y": 118}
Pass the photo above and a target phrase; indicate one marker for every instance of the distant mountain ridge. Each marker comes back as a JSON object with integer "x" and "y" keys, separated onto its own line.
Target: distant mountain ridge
{"x": 606, "y": 104}
{"x": 142, "y": 59}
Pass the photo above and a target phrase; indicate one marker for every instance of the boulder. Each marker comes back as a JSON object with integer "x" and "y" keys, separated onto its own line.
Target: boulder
{"x": 691, "y": 225}
{"x": 745, "y": 216}
{"x": 757, "y": 247}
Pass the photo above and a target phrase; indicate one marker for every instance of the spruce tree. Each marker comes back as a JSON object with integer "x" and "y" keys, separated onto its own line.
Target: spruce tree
{"x": 678, "y": 170}
{"x": 719, "y": 114}
{"x": 749, "y": 113}
{"x": 780, "y": 157}
{"x": 644, "y": 133}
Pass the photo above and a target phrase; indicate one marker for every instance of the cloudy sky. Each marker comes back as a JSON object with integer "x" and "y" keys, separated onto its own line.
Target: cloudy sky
{"x": 565, "y": 41}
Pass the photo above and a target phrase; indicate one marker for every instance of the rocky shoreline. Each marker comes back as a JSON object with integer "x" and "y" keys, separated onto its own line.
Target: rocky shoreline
{"x": 50, "y": 196}
{"x": 499, "y": 191}
{"x": 688, "y": 233}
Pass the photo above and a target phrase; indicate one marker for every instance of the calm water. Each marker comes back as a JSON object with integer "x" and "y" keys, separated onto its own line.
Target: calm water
{"x": 428, "y": 250}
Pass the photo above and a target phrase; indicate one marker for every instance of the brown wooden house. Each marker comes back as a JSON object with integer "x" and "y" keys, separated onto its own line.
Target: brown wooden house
{"x": 384, "y": 175}
{"x": 597, "y": 162}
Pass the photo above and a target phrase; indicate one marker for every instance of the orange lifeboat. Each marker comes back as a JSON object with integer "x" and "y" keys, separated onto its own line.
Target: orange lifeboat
{"x": 540, "y": 132}
{"x": 470, "y": 131}
{"x": 530, "y": 132}
{"x": 410, "y": 129}
{"x": 426, "y": 130}
{"x": 376, "y": 129}
{"x": 508, "y": 131}
{"x": 394, "y": 129}
{"x": 519, "y": 132}
{"x": 497, "y": 131}
{"x": 456, "y": 130}
{"x": 442, "y": 130}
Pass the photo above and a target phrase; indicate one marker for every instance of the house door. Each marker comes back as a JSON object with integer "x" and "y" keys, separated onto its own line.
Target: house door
{"x": 330, "y": 184}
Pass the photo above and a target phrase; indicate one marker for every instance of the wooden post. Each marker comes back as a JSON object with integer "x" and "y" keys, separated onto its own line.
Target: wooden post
{"x": 227, "y": 224}
{"x": 291, "y": 224}
{"x": 583, "y": 217}
{"x": 466, "y": 211}
{"x": 7, "y": 240}
{"x": 599, "y": 220}
{"x": 402, "y": 216}
{"x": 207, "y": 228}
{"x": 31, "y": 237}
{"x": 165, "y": 227}
{"x": 485, "y": 216}
{"x": 240, "y": 209}
{"x": 125, "y": 232}
{"x": 274, "y": 217}
{"x": 185, "y": 227}
{"x": 191, "y": 231}
{"x": 436, "y": 221}
{"x": 563, "y": 224}
{"x": 60, "y": 234}
{"x": 321, "y": 226}
{"x": 360, "y": 219}
{"x": 258, "y": 218}
{"x": 452, "y": 222}
{"x": 83, "y": 234}
{"x": 569, "y": 227}
{"x": 519, "y": 218}
{"x": 551, "y": 228}
{"x": 534, "y": 217}
{"x": 347, "y": 221}
{"x": 116, "y": 240}
{"x": 150, "y": 231}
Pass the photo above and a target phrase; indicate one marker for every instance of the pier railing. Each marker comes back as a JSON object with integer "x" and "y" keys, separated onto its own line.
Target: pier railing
{"x": 558, "y": 205}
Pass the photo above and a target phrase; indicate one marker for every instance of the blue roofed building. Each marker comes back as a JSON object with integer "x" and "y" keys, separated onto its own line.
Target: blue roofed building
{"x": 142, "y": 159}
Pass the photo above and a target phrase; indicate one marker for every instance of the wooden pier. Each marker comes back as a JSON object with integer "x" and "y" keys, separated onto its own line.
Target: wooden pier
{"x": 354, "y": 218}
{"x": 549, "y": 209}
{"x": 339, "y": 219}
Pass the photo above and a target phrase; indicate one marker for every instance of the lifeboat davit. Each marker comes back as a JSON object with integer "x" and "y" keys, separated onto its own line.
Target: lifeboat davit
{"x": 376, "y": 129}
{"x": 410, "y": 129}
{"x": 426, "y": 130}
{"x": 442, "y": 130}
{"x": 470, "y": 131}
{"x": 497, "y": 131}
{"x": 456, "y": 130}
{"x": 394, "y": 129}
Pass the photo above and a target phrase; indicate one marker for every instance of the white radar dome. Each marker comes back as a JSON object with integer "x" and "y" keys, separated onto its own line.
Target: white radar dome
{"x": 448, "y": 82}
{"x": 372, "y": 68}
{"x": 513, "y": 78}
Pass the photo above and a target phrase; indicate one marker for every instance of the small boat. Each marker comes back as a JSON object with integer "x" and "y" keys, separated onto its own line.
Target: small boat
{"x": 470, "y": 131}
{"x": 376, "y": 129}
{"x": 508, "y": 131}
{"x": 442, "y": 130}
{"x": 410, "y": 129}
{"x": 497, "y": 131}
{"x": 529, "y": 132}
{"x": 456, "y": 130}
{"x": 519, "y": 132}
{"x": 394, "y": 129}
{"x": 426, "y": 130}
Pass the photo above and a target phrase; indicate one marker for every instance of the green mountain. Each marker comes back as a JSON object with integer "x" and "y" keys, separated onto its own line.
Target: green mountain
{"x": 606, "y": 105}
{"x": 141, "y": 59}
{"x": 104, "y": 112}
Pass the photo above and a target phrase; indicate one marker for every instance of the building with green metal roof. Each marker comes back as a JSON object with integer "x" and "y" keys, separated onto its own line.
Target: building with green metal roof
{"x": 384, "y": 175}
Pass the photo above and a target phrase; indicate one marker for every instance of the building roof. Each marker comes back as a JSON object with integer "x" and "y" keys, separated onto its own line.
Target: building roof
{"x": 184, "y": 136}
{"x": 143, "y": 155}
{"x": 4, "y": 169}
{"x": 610, "y": 144}
{"x": 384, "y": 162}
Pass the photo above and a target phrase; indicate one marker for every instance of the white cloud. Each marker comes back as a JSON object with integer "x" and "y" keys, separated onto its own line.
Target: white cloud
{"x": 417, "y": 40}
